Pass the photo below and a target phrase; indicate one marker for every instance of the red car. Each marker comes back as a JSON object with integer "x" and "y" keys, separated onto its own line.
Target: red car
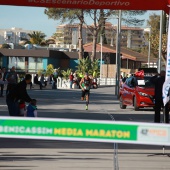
{"x": 138, "y": 92}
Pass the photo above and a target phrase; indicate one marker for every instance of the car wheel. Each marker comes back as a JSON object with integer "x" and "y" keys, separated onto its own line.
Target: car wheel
{"x": 136, "y": 108}
{"x": 122, "y": 106}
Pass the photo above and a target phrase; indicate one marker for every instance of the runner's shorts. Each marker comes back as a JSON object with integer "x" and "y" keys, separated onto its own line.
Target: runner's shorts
{"x": 85, "y": 92}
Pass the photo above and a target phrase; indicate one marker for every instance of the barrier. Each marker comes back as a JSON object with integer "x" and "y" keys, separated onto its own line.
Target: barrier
{"x": 85, "y": 130}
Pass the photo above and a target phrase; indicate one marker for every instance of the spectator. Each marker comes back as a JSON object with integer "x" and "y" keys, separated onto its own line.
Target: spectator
{"x": 124, "y": 79}
{"x": 43, "y": 80}
{"x": 54, "y": 82}
{"x": 50, "y": 78}
{"x": 12, "y": 79}
{"x": 18, "y": 93}
{"x": 71, "y": 79}
{"x": 2, "y": 80}
{"x": 22, "y": 107}
{"x": 37, "y": 82}
{"x": 158, "y": 81}
{"x": 32, "y": 109}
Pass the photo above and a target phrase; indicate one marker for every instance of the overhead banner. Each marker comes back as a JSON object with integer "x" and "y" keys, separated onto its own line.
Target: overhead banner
{"x": 85, "y": 130}
{"x": 93, "y": 4}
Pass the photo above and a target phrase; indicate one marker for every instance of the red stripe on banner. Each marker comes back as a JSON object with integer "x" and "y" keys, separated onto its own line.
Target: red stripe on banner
{"x": 93, "y": 4}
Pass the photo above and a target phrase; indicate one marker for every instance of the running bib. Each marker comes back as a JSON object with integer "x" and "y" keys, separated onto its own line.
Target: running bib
{"x": 87, "y": 88}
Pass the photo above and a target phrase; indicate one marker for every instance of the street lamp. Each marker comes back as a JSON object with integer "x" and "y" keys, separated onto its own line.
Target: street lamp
{"x": 160, "y": 43}
{"x": 118, "y": 60}
{"x": 149, "y": 47}
{"x": 101, "y": 57}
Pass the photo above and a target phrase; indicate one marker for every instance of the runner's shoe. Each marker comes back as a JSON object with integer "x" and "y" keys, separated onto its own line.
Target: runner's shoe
{"x": 86, "y": 107}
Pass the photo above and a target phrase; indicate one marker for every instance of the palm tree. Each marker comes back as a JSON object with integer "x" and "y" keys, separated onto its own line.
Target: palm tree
{"x": 36, "y": 37}
{"x": 95, "y": 69}
{"x": 84, "y": 66}
{"x": 5, "y": 46}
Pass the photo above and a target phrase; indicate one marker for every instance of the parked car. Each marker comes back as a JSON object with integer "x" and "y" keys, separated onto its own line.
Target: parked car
{"x": 138, "y": 92}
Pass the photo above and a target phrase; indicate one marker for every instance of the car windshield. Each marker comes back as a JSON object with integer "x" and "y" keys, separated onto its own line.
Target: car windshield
{"x": 144, "y": 82}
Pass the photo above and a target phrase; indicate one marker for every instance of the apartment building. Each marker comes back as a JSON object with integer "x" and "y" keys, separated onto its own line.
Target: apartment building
{"x": 13, "y": 35}
{"x": 68, "y": 34}
{"x": 131, "y": 37}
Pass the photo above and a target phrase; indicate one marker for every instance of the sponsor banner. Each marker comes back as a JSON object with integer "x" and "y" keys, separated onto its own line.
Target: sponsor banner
{"x": 149, "y": 134}
{"x": 93, "y": 4}
{"x": 85, "y": 130}
{"x": 66, "y": 129}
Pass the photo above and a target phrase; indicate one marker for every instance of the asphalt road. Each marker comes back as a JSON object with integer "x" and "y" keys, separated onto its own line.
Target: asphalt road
{"x": 16, "y": 154}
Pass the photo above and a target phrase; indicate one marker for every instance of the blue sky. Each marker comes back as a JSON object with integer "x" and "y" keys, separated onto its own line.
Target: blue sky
{"x": 33, "y": 18}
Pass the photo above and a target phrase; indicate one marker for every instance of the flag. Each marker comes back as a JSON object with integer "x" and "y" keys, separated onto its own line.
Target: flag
{"x": 165, "y": 91}
{"x": 166, "y": 86}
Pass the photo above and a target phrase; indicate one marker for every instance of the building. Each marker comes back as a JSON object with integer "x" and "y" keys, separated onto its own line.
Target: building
{"x": 34, "y": 60}
{"x": 13, "y": 35}
{"x": 68, "y": 34}
{"x": 131, "y": 37}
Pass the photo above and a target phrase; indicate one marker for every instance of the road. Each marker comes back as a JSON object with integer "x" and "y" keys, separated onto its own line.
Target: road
{"x": 17, "y": 154}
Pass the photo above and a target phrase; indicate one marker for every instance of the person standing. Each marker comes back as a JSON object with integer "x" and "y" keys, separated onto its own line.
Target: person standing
{"x": 85, "y": 85}
{"x": 3, "y": 74}
{"x": 18, "y": 93}
{"x": 158, "y": 81}
{"x": 43, "y": 80}
{"x": 12, "y": 79}
{"x": 37, "y": 82}
{"x": 71, "y": 79}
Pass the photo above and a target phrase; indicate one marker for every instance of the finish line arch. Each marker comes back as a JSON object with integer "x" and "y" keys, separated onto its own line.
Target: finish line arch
{"x": 94, "y": 4}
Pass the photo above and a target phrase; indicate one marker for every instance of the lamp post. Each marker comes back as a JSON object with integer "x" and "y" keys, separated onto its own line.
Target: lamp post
{"x": 160, "y": 43}
{"x": 149, "y": 47}
{"x": 118, "y": 54}
{"x": 101, "y": 57}
{"x": 118, "y": 60}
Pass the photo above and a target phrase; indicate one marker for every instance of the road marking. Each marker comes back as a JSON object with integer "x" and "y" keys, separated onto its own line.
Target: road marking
{"x": 3, "y": 105}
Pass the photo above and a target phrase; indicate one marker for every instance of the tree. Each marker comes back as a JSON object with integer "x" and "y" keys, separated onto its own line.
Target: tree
{"x": 37, "y": 37}
{"x": 50, "y": 69}
{"x": 65, "y": 74}
{"x": 129, "y": 17}
{"x": 154, "y": 23}
{"x": 85, "y": 65}
{"x": 95, "y": 69}
{"x": 5, "y": 46}
{"x": 99, "y": 17}
{"x": 71, "y": 15}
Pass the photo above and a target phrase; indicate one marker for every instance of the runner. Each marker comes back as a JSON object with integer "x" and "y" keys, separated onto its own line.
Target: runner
{"x": 85, "y": 85}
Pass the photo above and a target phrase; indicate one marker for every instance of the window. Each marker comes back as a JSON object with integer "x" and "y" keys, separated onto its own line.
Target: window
{"x": 18, "y": 62}
{"x": 147, "y": 82}
{"x": 35, "y": 64}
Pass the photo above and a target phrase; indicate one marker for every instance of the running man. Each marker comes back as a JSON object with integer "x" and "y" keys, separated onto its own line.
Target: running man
{"x": 85, "y": 85}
